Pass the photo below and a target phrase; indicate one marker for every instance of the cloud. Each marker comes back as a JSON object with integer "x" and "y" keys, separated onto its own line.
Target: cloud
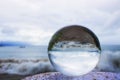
{"x": 25, "y": 33}
{"x": 113, "y": 20}
{"x": 111, "y": 29}
{"x": 35, "y": 21}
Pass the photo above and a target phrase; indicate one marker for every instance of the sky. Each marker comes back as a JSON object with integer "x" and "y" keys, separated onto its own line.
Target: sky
{"x": 35, "y": 21}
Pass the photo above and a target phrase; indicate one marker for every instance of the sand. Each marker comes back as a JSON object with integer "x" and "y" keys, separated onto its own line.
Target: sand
{"x": 90, "y": 76}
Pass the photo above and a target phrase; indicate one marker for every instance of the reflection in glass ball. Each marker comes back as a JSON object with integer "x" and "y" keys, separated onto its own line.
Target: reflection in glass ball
{"x": 74, "y": 50}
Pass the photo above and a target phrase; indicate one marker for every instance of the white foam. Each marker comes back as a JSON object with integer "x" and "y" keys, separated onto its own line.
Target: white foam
{"x": 74, "y": 45}
{"x": 109, "y": 61}
{"x": 25, "y": 68}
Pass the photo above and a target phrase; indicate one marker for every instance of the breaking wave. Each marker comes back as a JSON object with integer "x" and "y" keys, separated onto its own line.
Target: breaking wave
{"x": 109, "y": 61}
{"x": 25, "y": 67}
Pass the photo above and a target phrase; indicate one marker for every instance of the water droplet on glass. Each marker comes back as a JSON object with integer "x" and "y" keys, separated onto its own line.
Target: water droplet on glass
{"x": 74, "y": 50}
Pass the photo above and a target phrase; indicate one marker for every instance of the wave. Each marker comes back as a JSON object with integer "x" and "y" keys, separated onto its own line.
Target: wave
{"x": 25, "y": 67}
{"x": 109, "y": 61}
{"x": 74, "y": 45}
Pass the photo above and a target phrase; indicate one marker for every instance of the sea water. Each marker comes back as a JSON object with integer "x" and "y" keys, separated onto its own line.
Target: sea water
{"x": 110, "y": 53}
{"x": 24, "y": 61}
{"x": 28, "y": 52}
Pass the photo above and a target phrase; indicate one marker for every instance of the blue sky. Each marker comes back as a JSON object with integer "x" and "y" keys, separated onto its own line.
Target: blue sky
{"x": 35, "y": 21}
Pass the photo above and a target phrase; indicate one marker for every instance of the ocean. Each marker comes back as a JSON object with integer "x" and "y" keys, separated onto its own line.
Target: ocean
{"x": 110, "y": 58}
{"x": 30, "y": 52}
{"x": 19, "y": 62}
{"x": 34, "y": 59}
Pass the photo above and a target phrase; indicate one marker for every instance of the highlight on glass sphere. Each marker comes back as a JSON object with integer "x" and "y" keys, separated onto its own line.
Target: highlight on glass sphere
{"x": 74, "y": 50}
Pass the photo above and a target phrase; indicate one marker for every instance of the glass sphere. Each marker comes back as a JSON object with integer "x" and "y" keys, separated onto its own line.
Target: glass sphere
{"x": 74, "y": 50}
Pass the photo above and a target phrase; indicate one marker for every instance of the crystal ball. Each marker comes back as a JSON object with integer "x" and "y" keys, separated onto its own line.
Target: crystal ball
{"x": 74, "y": 50}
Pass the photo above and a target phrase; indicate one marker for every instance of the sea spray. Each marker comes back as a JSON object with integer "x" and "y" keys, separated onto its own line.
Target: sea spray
{"x": 25, "y": 67}
{"x": 109, "y": 61}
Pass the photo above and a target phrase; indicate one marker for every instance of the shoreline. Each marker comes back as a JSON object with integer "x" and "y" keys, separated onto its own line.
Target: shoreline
{"x": 25, "y": 66}
{"x": 22, "y": 60}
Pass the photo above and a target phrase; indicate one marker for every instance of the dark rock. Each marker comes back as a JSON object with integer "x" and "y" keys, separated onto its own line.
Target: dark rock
{"x": 89, "y": 76}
